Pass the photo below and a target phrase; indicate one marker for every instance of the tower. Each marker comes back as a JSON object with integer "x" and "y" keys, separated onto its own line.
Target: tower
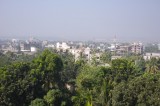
{"x": 115, "y": 44}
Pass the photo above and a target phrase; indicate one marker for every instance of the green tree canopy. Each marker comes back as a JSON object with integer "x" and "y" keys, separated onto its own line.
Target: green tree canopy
{"x": 50, "y": 66}
{"x": 122, "y": 69}
{"x": 141, "y": 91}
{"x": 38, "y": 102}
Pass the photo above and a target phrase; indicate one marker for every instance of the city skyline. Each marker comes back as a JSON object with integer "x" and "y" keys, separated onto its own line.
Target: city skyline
{"x": 81, "y": 20}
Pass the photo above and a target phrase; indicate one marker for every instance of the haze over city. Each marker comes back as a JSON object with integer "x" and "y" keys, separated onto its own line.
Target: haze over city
{"x": 136, "y": 20}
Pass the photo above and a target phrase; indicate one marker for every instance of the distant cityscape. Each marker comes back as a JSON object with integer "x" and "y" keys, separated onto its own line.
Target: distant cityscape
{"x": 88, "y": 49}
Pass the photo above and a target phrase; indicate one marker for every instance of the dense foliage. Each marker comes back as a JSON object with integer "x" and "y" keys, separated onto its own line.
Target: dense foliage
{"x": 56, "y": 79}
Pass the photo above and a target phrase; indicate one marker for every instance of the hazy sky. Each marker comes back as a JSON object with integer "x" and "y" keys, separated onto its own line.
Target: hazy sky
{"x": 80, "y": 19}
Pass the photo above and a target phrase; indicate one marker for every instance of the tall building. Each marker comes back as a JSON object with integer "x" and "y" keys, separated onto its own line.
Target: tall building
{"x": 137, "y": 48}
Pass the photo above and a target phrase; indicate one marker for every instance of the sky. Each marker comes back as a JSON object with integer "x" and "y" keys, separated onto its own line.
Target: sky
{"x": 128, "y": 20}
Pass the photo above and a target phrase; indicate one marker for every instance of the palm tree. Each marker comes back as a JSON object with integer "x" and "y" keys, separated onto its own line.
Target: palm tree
{"x": 152, "y": 66}
{"x": 105, "y": 94}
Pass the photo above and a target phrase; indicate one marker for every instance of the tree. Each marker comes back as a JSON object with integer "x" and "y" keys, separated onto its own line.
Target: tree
{"x": 49, "y": 66}
{"x": 105, "y": 95}
{"x": 152, "y": 66}
{"x": 38, "y": 102}
{"x": 143, "y": 90}
{"x": 89, "y": 82}
{"x": 69, "y": 72}
{"x": 151, "y": 48}
{"x": 5, "y": 60}
{"x": 15, "y": 84}
{"x": 105, "y": 57}
{"x": 122, "y": 69}
{"x": 140, "y": 66}
{"x": 22, "y": 82}
{"x": 53, "y": 97}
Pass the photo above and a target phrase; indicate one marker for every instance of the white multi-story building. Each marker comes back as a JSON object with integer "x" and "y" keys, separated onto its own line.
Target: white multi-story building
{"x": 24, "y": 47}
{"x": 76, "y": 52}
{"x": 148, "y": 56}
{"x": 112, "y": 47}
{"x": 87, "y": 53}
{"x": 137, "y": 48}
{"x": 62, "y": 46}
{"x": 58, "y": 45}
{"x": 49, "y": 46}
{"x": 44, "y": 43}
{"x": 33, "y": 49}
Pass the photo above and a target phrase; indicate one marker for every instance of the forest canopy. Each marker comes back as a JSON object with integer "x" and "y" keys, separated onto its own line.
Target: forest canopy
{"x": 56, "y": 79}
